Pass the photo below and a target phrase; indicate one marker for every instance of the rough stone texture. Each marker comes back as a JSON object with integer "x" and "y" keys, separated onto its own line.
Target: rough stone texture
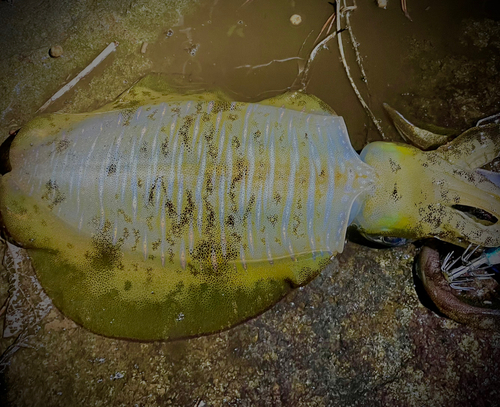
{"x": 456, "y": 90}
{"x": 357, "y": 335}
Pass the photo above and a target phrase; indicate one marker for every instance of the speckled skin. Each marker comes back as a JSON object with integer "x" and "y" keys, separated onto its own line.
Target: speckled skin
{"x": 164, "y": 215}
{"x": 418, "y": 191}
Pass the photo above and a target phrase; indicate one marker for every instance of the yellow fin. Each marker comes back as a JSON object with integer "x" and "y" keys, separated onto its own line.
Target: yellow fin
{"x": 299, "y": 101}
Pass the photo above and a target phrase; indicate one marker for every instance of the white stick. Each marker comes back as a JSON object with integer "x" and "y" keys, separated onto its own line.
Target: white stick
{"x": 342, "y": 9}
{"x": 269, "y": 63}
{"x": 108, "y": 50}
{"x": 304, "y": 75}
{"x": 355, "y": 44}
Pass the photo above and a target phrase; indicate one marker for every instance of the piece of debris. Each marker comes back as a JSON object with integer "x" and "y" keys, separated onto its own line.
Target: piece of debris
{"x": 404, "y": 7}
{"x": 382, "y": 3}
{"x": 329, "y": 24}
{"x": 117, "y": 376}
{"x": 108, "y": 50}
{"x": 144, "y": 47}
{"x": 268, "y": 63}
{"x": 295, "y": 19}
{"x": 56, "y": 51}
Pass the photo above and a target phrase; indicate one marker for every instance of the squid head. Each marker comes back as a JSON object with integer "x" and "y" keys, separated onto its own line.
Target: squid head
{"x": 441, "y": 193}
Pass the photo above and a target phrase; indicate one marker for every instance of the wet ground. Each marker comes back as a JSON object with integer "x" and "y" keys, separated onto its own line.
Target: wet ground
{"x": 358, "y": 334}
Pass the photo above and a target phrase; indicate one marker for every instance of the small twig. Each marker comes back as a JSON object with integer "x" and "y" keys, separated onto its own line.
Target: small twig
{"x": 356, "y": 50}
{"x": 342, "y": 9}
{"x": 269, "y": 63}
{"x": 301, "y": 65}
{"x": 305, "y": 73}
{"x": 330, "y": 21}
{"x": 404, "y": 7}
{"x": 108, "y": 50}
{"x": 489, "y": 120}
{"x": 304, "y": 42}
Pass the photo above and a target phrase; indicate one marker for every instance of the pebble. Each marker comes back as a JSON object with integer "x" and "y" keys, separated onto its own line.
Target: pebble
{"x": 295, "y": 19}
{"x": 382, "y": 3}
{"x": 56, "y": 51}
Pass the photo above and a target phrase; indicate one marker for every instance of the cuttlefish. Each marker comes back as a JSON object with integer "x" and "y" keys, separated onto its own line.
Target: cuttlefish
{"x": 166, "y": 215}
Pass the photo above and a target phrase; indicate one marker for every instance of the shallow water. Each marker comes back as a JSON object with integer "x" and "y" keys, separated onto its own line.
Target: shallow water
{"x": 232, "y": 45}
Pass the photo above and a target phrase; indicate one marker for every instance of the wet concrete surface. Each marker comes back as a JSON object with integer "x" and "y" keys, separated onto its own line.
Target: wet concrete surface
{"x": 358, "y": 334}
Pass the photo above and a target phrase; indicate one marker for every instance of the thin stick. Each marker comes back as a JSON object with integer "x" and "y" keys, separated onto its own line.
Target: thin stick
{"x": 356, "y": 50}
{"x": 375, "y": 121}
{"x": 108, "y": 50}
{"x": 304, "y": 71}
{"x": 404, "y": 7}
{"x": 300, "y": 64}
{"x": 312, "y": 55}
{"x": 269, "y": 63}
{"x": 330, "y": 21}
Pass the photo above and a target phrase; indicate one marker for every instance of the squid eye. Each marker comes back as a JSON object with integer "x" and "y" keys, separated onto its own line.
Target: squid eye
{"x": 375, "y": 241}
{"x": 477, "y": 214}
{"x": 387, "y": 241}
